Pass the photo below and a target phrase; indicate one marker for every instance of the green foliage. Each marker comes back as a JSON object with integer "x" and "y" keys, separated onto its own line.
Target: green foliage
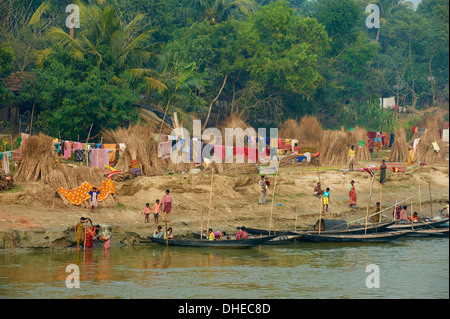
{"x": 69, "y": 95}
{"x": 6, "y": 60}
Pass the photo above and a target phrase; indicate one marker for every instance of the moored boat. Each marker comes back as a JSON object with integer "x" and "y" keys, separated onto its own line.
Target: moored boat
{"x": 354, "y": 238}
{"x": 419, "y": 225}
{"x": 440, "y": 232}
{"x": 231, "y": 243}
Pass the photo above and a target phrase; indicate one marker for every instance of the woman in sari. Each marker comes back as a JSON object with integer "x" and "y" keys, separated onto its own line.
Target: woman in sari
{"x": 383, "y": 168}
{"x": 352, "y": 194}
{"x": 410, "y": 160}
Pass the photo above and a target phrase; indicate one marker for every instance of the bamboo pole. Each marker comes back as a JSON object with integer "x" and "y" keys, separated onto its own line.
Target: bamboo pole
{"x": 87, "y": 142}
{"x": 201, "y": 222}
{"x": 431, "y": 202}
{"x": 320, "y": 213}
{"x": 368, "y": 206}
{"x": 167, "y": 237}
{"x": 412, "y": 217}
{"x": 210, "y": 198}
{"x": 296, "y": 216}
{"x": 273, "y": 199}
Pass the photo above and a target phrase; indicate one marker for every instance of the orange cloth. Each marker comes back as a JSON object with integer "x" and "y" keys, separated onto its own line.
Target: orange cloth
{"x": 81, "y": 193}
{"x": 112, "y": 155}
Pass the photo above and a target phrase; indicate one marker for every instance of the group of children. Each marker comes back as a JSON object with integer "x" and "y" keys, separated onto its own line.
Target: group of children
{"x": 165, "y": 204}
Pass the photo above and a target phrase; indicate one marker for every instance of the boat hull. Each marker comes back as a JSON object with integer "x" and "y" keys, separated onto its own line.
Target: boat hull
{"x": 244, "y": 243}
{"x": 354, "y": 238}
{"x": 420, "y": 225}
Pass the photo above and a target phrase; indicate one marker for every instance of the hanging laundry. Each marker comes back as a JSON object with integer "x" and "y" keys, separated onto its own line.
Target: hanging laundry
{"x": 445, "y": 135}
{"x": 5, "y": 162}
{"x": 16, "y": 156}
{"x": 67, "y": 151}
{"x": 99, "y": 158}
{"x": 112, "y": 153}
{"x": 79, "y": 155}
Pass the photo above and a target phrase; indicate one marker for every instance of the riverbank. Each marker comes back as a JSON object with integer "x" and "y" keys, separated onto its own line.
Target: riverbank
{"x": 32, "y": 216}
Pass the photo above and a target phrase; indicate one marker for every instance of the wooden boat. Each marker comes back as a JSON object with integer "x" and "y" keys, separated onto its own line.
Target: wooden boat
{"x": 419, "y": 225}
{"x": 354, "y": 238}
{"x": 232, "y": 243}
{"x": 265, "y": 232}
{"x": 440, "y": 232}
{"x": 283, "y": 240}
{"x": 354, "y": 229}
{"x": 328, "y": 227}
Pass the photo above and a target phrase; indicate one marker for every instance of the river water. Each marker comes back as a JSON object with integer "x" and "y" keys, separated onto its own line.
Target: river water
{"x": 407, "y": 268}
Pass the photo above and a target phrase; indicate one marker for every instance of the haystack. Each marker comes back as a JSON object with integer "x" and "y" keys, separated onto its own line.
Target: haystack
{"x": 141, "y": 145}
{"x": 360, "y": 134}
{"x": 38, "y": 163}
{"x": 310, "y": 132}
{"x": 234, "y": 121}
{"x": 399, "y": 149}
{"x": 37, "y": 160}
{"x": 334, "y": 148}
{"x": 425, "y": 151}
{"x": 290, "y": 129}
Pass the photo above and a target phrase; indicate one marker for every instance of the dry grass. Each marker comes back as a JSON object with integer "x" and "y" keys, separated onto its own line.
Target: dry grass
{"x": 141, "y": 145}
{"x": 360, "y": 134}
{"x": 334, "y": 147}
{"x": 399, "y": 149}
{"x": 37, "y": 160}
{"x": 425, "y": 151}
{"x": 38, "y": 163}
{"x": 310, "y": 132}
{"x": 290, "y": 129}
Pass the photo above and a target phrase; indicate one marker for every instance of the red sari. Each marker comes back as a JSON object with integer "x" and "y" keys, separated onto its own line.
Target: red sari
{"x": 352, "y": 196}
{"x": 90, "y": 234}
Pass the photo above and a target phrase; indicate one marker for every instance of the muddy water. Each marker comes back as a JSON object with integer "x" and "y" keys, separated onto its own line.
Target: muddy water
{"x": 408, "y": 268}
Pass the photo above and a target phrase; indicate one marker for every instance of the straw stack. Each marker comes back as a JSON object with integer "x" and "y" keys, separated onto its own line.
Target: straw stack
{"x": 360, "y": 134}
{"x": 399, "y": 149}
{"x": 310, "y": 132}
{"x": 334, "y": 148}
{"x": 425, "y": 152}
{"x": 141, "y": 145}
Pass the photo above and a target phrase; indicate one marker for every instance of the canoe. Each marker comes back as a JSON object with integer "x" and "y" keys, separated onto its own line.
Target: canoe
{"x": 356, "y": 229}
{"x": 283, "y": 240}
{"x": 354, "y": 238}
{"x": 233, "y": 243}
{"x": 265, "y": 232}
{"x": 419, "y": 225}
{"x": 441, "y": 232}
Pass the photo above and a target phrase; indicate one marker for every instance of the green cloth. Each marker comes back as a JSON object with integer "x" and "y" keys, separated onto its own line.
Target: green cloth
{"x": 19, "y": 140}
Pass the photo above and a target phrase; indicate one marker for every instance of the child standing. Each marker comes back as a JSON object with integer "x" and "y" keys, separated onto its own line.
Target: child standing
{"x": 156, "y": 211}
{"x": 146, "y": 212}
{"x": 326, "y": 199}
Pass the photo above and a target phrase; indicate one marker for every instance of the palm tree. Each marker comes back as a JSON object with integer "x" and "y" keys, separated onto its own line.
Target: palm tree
{"x": 216, "y": 11}
{"x": 387, "y": 7}
{"x": 103, "y": 27}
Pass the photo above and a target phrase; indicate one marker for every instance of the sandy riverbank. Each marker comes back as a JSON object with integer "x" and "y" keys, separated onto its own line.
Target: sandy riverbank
{"x": 31, "y": 216}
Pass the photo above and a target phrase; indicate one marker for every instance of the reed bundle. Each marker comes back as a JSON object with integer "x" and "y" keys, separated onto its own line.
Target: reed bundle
{"x": 141, "y": 145}
{"x": 334, "y": 147}
{"x": 399, "y": 149}
{"x": 310, "y": 132}
{"x": 425, "y": 151}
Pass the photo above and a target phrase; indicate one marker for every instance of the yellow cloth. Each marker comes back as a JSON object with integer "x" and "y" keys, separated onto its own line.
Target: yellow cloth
{"x": 410, "y": 159}
{"x": 325, "y": 200}
{"x": 81, "y": 193}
